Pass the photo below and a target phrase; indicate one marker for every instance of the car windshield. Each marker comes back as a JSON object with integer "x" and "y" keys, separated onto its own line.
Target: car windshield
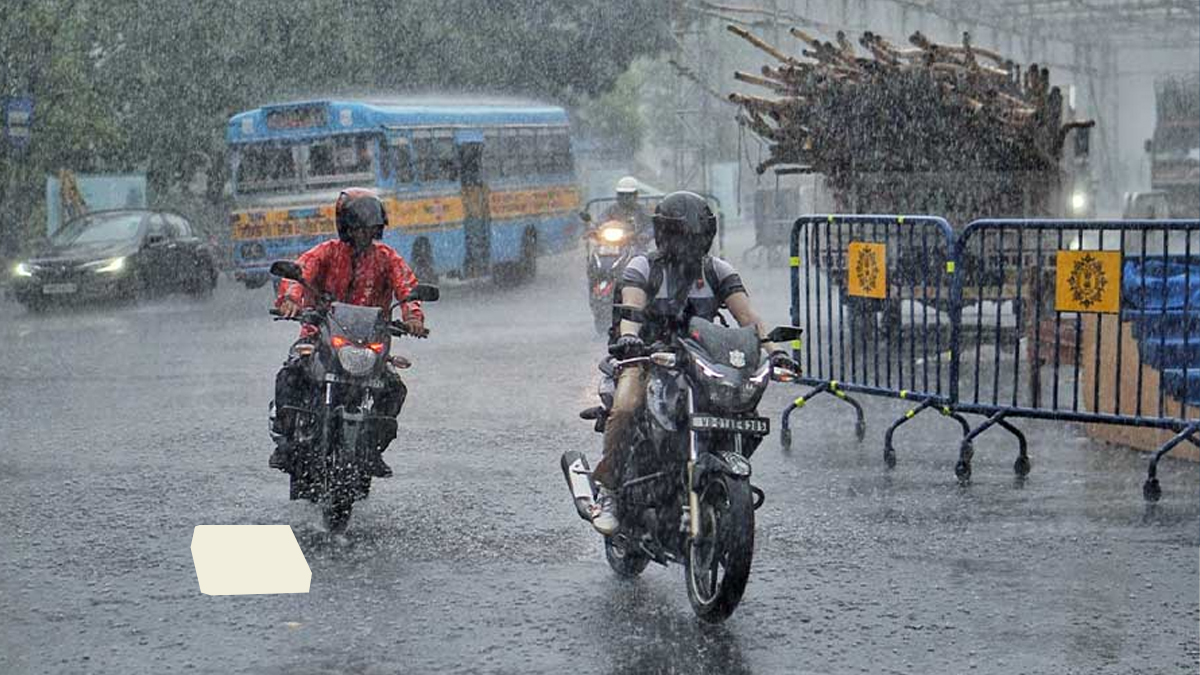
{"x": 100, "y": 228}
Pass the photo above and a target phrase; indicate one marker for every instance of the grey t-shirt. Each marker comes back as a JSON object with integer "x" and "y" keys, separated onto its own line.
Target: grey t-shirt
{"x": 703, "y": 299}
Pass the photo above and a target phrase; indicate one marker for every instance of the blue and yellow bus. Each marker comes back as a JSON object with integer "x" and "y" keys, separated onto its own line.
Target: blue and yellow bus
{"x": 470, "y": 189}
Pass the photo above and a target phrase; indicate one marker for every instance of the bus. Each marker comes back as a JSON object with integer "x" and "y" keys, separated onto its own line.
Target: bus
{"x": 470, "y": 189}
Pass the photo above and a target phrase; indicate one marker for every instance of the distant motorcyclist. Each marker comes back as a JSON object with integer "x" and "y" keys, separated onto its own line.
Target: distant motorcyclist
{"x": 674, "y": 283}
{"x": 354, "y": 268}
{"x": 628, "y": 209}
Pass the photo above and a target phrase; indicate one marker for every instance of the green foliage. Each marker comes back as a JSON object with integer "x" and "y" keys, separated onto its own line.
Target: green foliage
{"x": 125, "y": 85}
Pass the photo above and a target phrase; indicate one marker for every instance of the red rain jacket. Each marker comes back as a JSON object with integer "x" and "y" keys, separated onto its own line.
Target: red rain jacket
{"x": 379, "y": 275}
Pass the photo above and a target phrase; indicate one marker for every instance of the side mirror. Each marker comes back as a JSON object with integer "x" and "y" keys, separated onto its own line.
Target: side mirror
{"x": 424, "y": 293}
{"x": 287, "y": 269}
{"x": 1148, "y": 146}
{"x": 585, "y": 216}
{"x": 784, "y": 334}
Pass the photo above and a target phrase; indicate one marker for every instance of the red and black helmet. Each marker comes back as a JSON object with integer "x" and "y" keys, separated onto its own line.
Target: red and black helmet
{"x": 359, "y": 207}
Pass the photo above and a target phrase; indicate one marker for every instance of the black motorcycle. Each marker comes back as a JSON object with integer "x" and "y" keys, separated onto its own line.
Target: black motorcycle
{"x": 337, "y": 434}
{"x": 685, "y": 494}
{"x": 610, "y": 246}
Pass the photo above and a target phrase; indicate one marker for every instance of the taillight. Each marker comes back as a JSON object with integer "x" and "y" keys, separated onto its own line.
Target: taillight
{"x": 376, "y": 347}
{"x": 338, "y": 341}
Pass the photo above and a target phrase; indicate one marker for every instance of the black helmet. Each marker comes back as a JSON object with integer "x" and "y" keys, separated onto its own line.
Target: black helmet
{"x": 684, "y": 226}
{"x": 359, "y": 207}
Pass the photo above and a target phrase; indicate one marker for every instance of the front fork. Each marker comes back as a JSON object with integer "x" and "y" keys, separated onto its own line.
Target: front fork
{"x": 693, "y": 498}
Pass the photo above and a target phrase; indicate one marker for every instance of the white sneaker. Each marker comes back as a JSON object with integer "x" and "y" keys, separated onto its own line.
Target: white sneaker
{"x": 604, "y": 513}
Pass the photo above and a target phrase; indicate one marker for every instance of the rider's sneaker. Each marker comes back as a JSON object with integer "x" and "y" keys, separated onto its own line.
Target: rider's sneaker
{"x": 281, "y": 458}
{"x": 604, "y": 513}
{"x": 381, "y": 469}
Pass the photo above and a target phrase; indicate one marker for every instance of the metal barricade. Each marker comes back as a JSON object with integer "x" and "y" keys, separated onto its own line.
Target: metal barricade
{"x": 1077, "y": 321}
{"x": 873, "y": 295}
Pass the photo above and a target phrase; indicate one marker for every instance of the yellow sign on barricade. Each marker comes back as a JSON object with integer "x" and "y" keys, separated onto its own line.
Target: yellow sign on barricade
{"x": 1088, "y": 281}
{"x": 867, "y": 270}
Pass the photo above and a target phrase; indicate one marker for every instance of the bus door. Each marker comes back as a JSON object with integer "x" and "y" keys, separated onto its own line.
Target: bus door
{"x": 477, "y": 226}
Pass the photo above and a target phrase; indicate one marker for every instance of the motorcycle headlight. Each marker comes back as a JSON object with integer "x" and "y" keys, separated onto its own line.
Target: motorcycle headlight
{"x": 23, "y": 270}
{"x": 613, "y": 235}
{"x": 356, "y": 361}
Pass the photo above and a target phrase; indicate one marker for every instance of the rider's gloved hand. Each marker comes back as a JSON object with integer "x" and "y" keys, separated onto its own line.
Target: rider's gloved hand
{"x": 627, "y": 347}
{"x": 288, "y": 308}
{"x": 780, "y": 359}
{"x": 415, "y": 327}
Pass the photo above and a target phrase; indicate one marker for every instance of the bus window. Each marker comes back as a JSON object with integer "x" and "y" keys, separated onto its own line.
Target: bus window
{"x": 560, "y": 151}
{"x": 437, "y": 158}
{"x": 266, "y": 167}
{"x": 545, "y": 152}
{"x": 510, "y": 153}
{"x": 492, "y": 155}
{"x": 341, "y": 159}
{"x": 447, "y": 158}
{"x": 529, "y": 153}
{"x": 397, "y": 161}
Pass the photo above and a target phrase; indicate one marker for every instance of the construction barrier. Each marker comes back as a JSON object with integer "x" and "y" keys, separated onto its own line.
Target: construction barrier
{"x": 872, "y": 294}
{"x": 1082, "y": 321}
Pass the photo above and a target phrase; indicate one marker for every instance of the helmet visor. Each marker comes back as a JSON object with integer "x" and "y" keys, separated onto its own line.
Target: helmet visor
{"x": 363, "y": 213}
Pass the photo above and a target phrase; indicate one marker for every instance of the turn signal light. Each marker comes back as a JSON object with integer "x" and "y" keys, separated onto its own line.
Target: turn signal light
{"x": 376, "y": 347}
{"x": 338, "y": 341}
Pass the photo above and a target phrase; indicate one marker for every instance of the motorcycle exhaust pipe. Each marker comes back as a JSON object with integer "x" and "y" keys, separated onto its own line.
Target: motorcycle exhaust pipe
{"x": 579, "y": 481}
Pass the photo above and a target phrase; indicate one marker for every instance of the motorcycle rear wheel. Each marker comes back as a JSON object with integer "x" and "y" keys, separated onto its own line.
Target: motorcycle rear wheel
{"x": 718, "y": 561}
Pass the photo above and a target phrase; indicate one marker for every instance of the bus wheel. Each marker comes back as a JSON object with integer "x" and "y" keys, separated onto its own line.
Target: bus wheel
{"x": 527, "y": 265}
{"x": 422, "y": 263}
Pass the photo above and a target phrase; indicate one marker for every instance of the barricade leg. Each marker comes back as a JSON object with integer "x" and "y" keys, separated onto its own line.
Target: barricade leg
{"x": 1151, "y": 490}
{"x": 889, "y": 450}
{"x": 1021, "y": 466}
{"x": 785, "y": 431}
{"x": 966, "y": 450}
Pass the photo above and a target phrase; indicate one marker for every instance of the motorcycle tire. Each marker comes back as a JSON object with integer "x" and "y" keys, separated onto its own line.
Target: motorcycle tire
{"x": 726, "y": 544}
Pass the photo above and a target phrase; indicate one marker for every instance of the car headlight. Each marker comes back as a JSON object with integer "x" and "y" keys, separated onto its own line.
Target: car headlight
{"x": 23, "y": 270}
{"x": 111, "y": 265}
{"x": 356, "y": 361}
{"x": 613, "y": 235}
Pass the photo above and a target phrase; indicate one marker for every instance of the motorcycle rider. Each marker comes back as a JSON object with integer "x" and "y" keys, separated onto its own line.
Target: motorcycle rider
{"x": 627, "y": 209}
{"x": 357, "y": 269}
{"x": 677, "y": 281}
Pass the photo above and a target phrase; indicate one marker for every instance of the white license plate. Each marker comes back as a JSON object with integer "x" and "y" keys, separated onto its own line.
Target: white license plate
{"x": 58, "y": 289}
{"x": 758, "y": 426}
{"x": 608, "y": 250}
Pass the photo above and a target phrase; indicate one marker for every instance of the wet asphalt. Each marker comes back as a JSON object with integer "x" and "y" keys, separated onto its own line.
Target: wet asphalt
{"x": 124, "y": 427}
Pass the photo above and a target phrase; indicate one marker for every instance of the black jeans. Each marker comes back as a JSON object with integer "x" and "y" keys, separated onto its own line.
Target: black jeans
{"x": 293, "y": 389}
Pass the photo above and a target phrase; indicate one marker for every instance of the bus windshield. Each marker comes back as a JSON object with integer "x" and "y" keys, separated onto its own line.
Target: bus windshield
{"x": 323, "y": 163}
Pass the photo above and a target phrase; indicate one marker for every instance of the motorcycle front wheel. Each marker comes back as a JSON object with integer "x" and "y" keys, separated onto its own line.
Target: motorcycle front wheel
{"x": 718, "y": 561}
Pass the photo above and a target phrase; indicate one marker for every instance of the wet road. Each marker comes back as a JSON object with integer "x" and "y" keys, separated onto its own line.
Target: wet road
{"x": 123, "y": 428}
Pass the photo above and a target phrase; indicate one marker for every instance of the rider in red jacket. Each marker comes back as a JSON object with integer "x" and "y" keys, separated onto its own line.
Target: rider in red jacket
{"x": 357, "y": 269}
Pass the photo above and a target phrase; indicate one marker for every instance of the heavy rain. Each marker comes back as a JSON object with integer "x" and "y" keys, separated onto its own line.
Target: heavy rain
{"x": 883, "y": 316}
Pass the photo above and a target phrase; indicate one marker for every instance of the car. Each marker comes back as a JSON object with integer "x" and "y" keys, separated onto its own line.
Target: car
{"x": 117, "y": 254}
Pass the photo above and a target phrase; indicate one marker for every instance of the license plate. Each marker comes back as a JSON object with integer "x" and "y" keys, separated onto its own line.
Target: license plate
{"x": 757, "y": 426}
{"x": 56, "y": 289}
{"x": 608, "y": 250}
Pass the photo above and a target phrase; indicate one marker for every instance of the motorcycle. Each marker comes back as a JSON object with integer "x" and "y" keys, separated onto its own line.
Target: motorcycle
{"x": 337, "y": 434}
{"x": 685, "y": 494}
{"x": 609, "y": 248}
